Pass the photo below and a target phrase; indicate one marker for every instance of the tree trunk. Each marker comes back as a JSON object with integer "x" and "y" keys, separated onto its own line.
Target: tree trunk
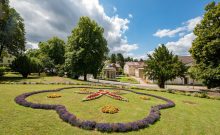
{"x": 1, "y": 49}
{"x": 38, "y": 73}
{"x": 95, "y": 76}
{"x": 161, "y": 84}
{"x": 85, "y": 77}
{"x": 24, "y": 75}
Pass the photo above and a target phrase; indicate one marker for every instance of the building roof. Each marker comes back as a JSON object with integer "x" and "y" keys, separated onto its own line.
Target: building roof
{"x": 186, "y": 59}
{"x": 135, "y": 64}
{"x": 110, "y": 68}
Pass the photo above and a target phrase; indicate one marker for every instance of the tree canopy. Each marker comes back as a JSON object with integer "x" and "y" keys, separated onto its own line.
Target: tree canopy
{"x": 162, "y": 65}
{"x": 86, "y": 48}
{"x": 206, "y": 47}
{"x": 113, "y": 58}
{"x": 12, "y": 32}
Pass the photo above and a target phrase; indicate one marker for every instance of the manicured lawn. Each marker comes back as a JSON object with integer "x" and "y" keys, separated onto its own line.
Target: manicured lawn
{"x": 127, "y": 80}
{"x": 15, "y": 77}
{"x": 191, "y": 115}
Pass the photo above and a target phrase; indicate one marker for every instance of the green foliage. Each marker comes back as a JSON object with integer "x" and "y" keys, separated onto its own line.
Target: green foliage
{"x": 54, "y": 48}
{"x": 12, "y": 32}
{"x": 86, "y": 49}
{"x": 23, "y": 65}
{"x": 120, "y": 60}
{"x": 206, "y": 47}
{"x": 162, "y": 65}
{"x": 113, "y": 58}
{"x": 2, "y": 70}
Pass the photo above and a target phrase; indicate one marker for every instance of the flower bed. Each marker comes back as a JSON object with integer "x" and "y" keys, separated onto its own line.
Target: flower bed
{"x": 54, "y": 95}
{"x": 66, "y": 116}
{"x": 144, "y": 98}
{"x": 110, "y": 109}
{"x": 103, "y": 92}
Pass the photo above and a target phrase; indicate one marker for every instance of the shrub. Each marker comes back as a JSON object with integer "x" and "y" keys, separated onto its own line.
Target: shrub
{"x": 203, "y": 95}
{"x": 2, "y": 70}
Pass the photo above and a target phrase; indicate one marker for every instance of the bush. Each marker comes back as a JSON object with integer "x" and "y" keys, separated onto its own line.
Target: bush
{"x": 2, "y": 70}
{"x": 203, "y": 95}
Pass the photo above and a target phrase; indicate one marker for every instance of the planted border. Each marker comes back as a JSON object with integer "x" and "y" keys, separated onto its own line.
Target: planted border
{"x": 70, "y": 118}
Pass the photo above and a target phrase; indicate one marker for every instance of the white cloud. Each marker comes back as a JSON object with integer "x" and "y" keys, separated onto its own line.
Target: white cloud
{"x": 187, "y": 26}
{"x": 181, "y": 46}
{"x": 33, "y": 45}
{"x": 46, "y": 19}
{"x": 191, "y": 24}
{"x": 140, "y": 56}
{"x": 130, "y": 15}
{"x": 114, "y": 9}
{"x": 168, "y": 32}
{"x": 184, "y": 43}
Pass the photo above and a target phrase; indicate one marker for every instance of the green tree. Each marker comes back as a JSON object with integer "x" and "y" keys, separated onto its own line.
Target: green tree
{"x": 206, "y": 47}
{"x": 12, "y": 32}
{"x": 55, "y": 49}
{"x": 86, "y": 48}
{"x": 113, "y": 58}
{"x": 23, "y": 65}
{"x": 121, "y": 60}
{"x": 162, "y": 66}
{"x": 36, "y": 65}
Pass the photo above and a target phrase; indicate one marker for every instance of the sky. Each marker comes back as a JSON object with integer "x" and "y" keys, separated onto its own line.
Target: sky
{"x": 132, "y": 27}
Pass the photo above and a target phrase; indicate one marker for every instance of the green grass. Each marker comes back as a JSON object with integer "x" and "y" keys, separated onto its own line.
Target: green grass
{"x": 127, "y": 80}
{"x": 200, "y": 118}
{"x": 15, "y": 77}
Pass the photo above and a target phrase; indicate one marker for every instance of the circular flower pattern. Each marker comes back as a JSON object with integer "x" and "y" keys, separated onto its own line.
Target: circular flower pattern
{"x": 70, "y": 118}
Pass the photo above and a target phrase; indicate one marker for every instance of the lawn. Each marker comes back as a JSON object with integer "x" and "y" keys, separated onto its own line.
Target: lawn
{"x": 15, "y": 77}
{"x": 191, "y": 115}
{"x": 127, "y": 80}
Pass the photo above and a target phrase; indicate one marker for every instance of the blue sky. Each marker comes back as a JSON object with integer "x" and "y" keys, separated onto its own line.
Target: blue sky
{"x": 151, "y": 15}
{"x": 132, "y": 27}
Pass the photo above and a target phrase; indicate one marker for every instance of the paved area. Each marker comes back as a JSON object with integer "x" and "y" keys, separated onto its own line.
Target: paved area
{"x": 152, "y": 86}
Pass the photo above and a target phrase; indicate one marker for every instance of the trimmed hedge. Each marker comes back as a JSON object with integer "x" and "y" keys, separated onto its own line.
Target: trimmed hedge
{"x": 70, "y": 118}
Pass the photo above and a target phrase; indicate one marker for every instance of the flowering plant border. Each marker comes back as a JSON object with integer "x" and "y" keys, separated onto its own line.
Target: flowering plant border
{"x": 70, "y": 118}
{"x": 100, "y": 93}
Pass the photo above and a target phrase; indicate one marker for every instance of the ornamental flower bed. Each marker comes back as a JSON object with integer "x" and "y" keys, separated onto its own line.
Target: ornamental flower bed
{"x": 144, "y": 98}
{"x": 66, "y": 116}
{"x": 103, "y": 92}
{"x": 54, "y": 95}
{"x": 110, "y": 109}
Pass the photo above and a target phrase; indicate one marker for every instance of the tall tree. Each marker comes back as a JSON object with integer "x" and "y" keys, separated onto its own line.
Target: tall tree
{"x": 162, "y": 66}
{"x": 54, "y": 48}
{"x": 206, "y": 47}
{"x": 113, "y": 58}
{"x": 12, "y": 32}
{"x": 121, "y": 60}
{"x": 86, "y": 48}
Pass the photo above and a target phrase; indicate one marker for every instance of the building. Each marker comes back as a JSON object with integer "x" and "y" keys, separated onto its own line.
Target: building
{"x": 134, "y": 69}
{"x": 6, "y": 60}
{"x": 111, "y": 70}
{"x": 188, "y": 61}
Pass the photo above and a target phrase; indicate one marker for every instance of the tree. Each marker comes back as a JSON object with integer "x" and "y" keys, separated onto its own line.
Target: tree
{"x": 36, "y": 65}
{"x": 86, "y": 48}
{"x": 113, "y": 58}
{"x": 12, "y": 32}
{"x": 23, "y": 65}
{"x": 120, "y": 60}
{"x": 55, "y": 49}
{"x": 206, "y": 47}
{"x": 162, "y": 65}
